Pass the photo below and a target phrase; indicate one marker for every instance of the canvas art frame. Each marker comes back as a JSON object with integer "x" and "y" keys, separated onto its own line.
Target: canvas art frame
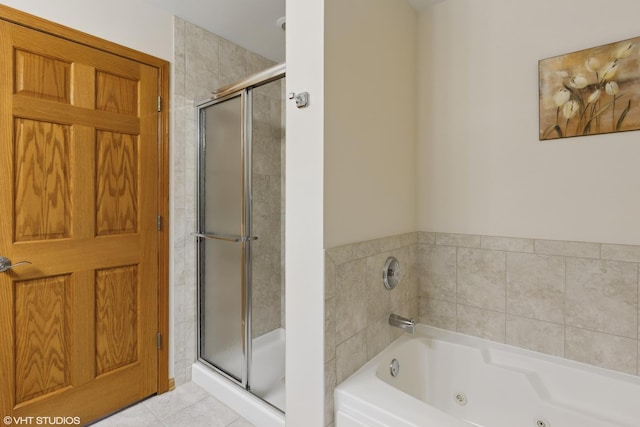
{"x": 591, "y": 91}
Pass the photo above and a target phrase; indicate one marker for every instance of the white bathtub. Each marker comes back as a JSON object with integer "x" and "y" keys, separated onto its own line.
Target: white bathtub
{"x": 448, "y": 379}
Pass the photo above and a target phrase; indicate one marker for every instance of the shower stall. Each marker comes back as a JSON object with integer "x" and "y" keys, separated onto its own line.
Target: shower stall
{"x": 240, "y": 234}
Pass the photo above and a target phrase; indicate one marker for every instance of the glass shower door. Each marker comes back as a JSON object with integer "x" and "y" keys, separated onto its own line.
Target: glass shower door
{"x": 240, "y": 234}
{"x": 222, "y": 246}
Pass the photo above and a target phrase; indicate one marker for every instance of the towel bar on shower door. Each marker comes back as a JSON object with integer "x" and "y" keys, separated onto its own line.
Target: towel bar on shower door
{"x": 225, "y": 237}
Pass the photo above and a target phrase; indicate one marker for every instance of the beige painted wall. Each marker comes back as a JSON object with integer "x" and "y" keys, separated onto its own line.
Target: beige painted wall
{"x": 370, "y": 120}
{"x": 143, "y": 27}
{"x": 481, "y": 167}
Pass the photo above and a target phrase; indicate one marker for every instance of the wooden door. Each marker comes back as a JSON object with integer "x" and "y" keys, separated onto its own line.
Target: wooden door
{"x": 79, "y": 198}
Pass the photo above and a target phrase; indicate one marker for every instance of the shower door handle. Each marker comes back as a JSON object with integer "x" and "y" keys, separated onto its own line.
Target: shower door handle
{"x": 225, "y": 237}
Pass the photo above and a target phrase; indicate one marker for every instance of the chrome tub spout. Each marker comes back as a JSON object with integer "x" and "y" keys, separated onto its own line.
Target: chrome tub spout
{"x": 402, "y": 322}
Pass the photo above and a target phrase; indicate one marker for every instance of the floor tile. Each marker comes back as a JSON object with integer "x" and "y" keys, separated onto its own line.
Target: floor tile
{"x": 186, "y": 406}
{"x": 167, "y": 404}
{"x": 135, "y": 416}
{"x": 208, "y": 412}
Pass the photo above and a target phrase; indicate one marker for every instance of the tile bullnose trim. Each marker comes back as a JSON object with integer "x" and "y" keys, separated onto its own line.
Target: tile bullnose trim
{"x": 568, "y": 248}
{"x": 508, "y": 244}
{"x": 340, "y": 254}
{"x": 427, "y": 237}
{"x": 458, "y": 240}
{"x": 615, "y": 252}
{"x": 367, "y": 248}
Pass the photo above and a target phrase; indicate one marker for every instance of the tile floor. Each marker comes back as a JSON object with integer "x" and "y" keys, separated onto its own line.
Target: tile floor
{"x": 188, "y": 405}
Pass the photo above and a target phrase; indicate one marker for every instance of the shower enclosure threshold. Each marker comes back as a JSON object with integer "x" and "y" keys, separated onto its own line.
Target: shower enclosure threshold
{"x": 268, "y": 361}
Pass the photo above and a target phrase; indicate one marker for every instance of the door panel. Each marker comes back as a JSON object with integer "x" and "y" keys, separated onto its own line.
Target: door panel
{"x": 116, "y": 94}
{"x": 116, "y": 183}
{"x": 42, "y": 77}
{"x": 116, "y": 318}
{"x": 42, "y": 194}
{"x": 42, "y": 350}
{"x": 79, "y": 164}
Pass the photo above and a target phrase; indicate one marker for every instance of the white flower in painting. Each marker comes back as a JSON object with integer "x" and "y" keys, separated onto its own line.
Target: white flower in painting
{"x": 593, "y": 98}
{"x": 578, "y": 81}
{"x": 561, "y": 97}
{"x": 612, "y": 88}
{"x": 623, "y": 51}
{"x": 592, "y": 64}
{"x": 570, "y": 109}
{"x": 609, "y": 71}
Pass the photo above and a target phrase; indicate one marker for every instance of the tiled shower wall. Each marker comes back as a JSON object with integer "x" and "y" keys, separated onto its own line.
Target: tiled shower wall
{"x": 266, "y": 255}
{"x": 203, "y": 62}
{"x": 575, "y": 300}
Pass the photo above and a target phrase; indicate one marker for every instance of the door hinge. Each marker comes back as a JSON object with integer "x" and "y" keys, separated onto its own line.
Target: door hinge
{"x": 159, "y": 223}
{"x": 159, "y": 340}
{"x": 159, "y": 104}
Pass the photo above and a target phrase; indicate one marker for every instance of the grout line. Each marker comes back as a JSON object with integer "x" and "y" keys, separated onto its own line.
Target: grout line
{"x": 564, "y": 320}
{"x": 456, "y": 292}
{"x": 506, "y": 289}
{"x": 595, "y": 331}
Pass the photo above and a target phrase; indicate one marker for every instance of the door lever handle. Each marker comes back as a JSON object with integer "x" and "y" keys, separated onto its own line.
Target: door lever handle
{"x": 5, "y": 264}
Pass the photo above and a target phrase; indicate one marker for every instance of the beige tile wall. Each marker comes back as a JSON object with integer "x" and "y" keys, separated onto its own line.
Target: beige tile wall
{"x": 267, "y": 264}
{"x": 357, "y": 305}
{"x": 577, "y": 300}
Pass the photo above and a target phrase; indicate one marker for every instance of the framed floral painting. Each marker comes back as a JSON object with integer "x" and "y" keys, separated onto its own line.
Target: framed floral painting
{"x": 592, "y": 91}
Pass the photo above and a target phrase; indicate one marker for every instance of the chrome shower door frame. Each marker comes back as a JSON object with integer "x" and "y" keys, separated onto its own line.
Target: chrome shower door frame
{"x": 242, "y": 89}
{"x": 245, "y": 227}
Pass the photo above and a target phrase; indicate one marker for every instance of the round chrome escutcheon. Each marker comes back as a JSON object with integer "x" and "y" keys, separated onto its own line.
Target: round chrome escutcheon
{"x": 394, "y": 367}
{"x": 391, "y": 273}
{"x": 461, "y": 399}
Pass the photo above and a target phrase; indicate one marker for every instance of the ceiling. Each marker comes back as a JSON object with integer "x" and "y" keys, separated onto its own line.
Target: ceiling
{"x": 248, "y": 23}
